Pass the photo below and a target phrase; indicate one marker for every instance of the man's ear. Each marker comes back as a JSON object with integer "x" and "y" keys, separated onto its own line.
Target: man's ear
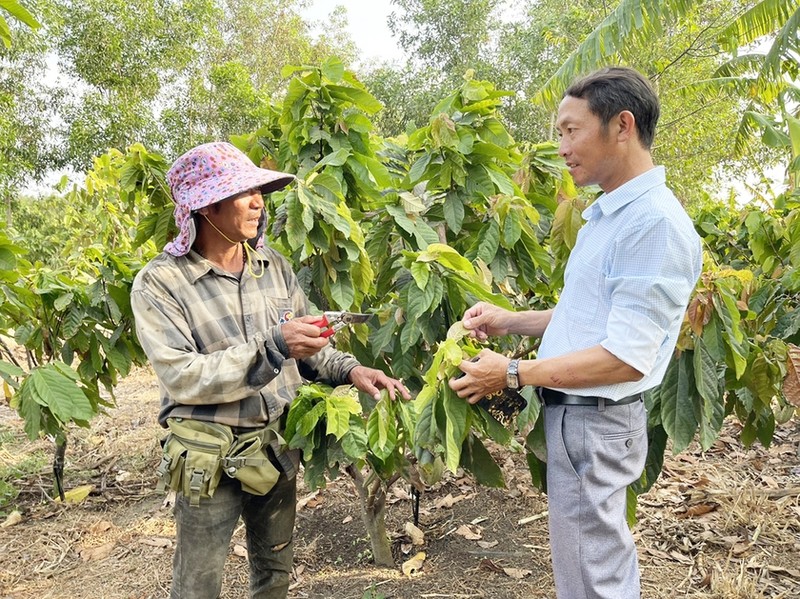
{"x": 627, "y": 126}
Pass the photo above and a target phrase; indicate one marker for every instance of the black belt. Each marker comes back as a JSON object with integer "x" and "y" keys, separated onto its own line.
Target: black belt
{"x": 556, "y": 398}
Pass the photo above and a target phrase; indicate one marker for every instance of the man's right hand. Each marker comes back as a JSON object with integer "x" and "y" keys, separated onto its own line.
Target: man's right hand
{"x": 302, "y": 337}
{"x": 486, "y": 320}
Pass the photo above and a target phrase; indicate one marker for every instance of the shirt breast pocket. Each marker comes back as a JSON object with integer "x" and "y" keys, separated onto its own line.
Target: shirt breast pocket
{"x": 279, "y": 308}
{"x": 586, "y": 293}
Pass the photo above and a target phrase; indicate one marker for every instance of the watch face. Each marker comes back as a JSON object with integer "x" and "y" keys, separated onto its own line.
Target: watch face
{"x": 512, "y": 377}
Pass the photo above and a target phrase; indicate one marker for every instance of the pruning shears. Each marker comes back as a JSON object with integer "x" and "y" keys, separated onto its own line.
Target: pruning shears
{"x": 331, "y": 322}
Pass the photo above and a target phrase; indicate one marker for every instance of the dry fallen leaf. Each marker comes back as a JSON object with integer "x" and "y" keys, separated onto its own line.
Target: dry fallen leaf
{"x": 95, "y": 554}
{"x": 12, "y": 519}
{"x": 414, "y": 565}
{"x": 447, "y": 501}
{"x": 100, "y": 527}
{"x": 240, "y": 551}
{"x": 487, "y": 544}
{"x": 77, "y": 494}
{"x": 487, "y": 564}
{"x": 311, "y": 500}
{"x": 517, "y": 573}
{"x": 347, "y": 520}
{"x": 467, "y": 532}
{"x": 415, "y": 534}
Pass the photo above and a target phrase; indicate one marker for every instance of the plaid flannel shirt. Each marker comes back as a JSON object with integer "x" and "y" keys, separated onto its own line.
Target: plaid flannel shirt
{"x": 215, "y": 341}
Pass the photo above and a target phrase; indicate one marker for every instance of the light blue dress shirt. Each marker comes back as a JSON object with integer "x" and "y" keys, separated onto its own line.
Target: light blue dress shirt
{"x": 627, "y": 282}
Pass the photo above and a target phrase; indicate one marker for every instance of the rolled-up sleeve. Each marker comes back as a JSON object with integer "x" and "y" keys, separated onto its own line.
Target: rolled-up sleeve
{"x": 648, "y": 287}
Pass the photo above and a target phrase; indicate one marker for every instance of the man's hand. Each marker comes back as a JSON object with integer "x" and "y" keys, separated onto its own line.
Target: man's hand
{"x": 482, "y": 377}
{"x": 371, "y": 381}
{"x": 303, "y": 338}
{"x": 486, "y": 320}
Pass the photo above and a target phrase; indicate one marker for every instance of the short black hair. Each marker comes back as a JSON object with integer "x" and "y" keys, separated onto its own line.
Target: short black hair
{"x": 611, "y": 90}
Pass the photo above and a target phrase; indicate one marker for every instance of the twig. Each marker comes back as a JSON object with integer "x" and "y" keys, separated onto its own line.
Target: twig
{"x": 530, "y": 519}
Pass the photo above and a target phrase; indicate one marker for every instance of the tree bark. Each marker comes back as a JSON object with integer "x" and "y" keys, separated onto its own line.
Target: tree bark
{"x": 372, "y": 499}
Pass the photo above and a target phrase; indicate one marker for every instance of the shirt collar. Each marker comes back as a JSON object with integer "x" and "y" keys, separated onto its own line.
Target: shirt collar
{"x": 608, "y": 203}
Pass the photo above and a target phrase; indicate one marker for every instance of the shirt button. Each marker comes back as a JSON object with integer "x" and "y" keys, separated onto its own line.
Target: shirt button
{"x": 628, "y": 443}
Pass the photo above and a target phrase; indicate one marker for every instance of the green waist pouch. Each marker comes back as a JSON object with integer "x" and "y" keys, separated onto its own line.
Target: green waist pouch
{"x": 197, "y": 453}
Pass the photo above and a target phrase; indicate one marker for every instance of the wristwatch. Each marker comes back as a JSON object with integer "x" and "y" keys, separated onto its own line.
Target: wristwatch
{"x": 512, "y": 374}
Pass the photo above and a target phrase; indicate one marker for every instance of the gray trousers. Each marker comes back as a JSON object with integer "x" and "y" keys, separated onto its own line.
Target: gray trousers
{"x": 204, "y": 535}
{"x": 592, "y": 457}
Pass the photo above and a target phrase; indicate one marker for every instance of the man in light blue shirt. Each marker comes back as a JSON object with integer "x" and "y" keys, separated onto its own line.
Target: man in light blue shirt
{"x": 610, "y": 337}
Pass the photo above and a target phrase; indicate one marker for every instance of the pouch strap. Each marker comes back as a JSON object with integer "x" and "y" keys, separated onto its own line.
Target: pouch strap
{"x": 231, "y": 465}
{"x": 195, "y": 486}
{"x": 162, "y": 471}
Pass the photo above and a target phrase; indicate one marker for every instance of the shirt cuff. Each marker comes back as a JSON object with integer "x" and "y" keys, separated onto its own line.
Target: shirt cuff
{"x": 634, "y": 339}
{"x": 279, "y": 342}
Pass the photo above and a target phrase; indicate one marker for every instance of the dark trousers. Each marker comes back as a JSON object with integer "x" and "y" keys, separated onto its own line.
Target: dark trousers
{"x": 204, "y": 535}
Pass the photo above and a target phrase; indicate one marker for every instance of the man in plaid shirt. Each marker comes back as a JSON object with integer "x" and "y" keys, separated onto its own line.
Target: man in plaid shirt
{"x": 228, "y": 332}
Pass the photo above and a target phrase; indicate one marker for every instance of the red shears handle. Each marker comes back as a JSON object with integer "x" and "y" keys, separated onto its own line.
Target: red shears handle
{"x": 327, "y": 327}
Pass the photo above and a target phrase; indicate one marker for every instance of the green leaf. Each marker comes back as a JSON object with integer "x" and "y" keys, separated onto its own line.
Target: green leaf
{"x": 512, "y": 228}
{"x": 360, "y": 98}
{"x": 297, "y": 409}
{"x": 729, "y": 314}
{"x": 488, "y": 241}
{"x": 57, "y": 390}
{"x": 310, "y": 419}
{"x": 455, "y": 410}
{"x": 705, "y": 373}
{"x": 382, "y": 337}
{"x": 16, "y": 10}
{"x": 421, "y": 273}
{"x": 409, "y": 335}
{"x": 342, "y": 292}
{"x": 337, "y": 158}
{"x": 8, "y": 370}
{"x": 501, "y": 180}
{"x": 338, "y": 409}
{"x": 382, "y": 429}
{"x": 447, "y": 257}
{"x": 453, "y": 212}
{"x": 419, "y": 166}
{"x": 477, "y": 460}
{"x": 418, "y": 302}
{"x": 677, "y": 407}
{"x": 296, "y": 231}
{"x": 656, "y": 448}
{"x": 333, "y": 69}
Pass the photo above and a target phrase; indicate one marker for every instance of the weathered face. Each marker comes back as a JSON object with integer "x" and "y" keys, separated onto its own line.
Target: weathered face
{"x": 589, "y": 149}
{"x": 238, "y": 217}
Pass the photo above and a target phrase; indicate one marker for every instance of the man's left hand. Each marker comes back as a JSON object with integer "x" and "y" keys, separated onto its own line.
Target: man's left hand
{"x": 371, "y": 381}
{"x": 482, "y": 377}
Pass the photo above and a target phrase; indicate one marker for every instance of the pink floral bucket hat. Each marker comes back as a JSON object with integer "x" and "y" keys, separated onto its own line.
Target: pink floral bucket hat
{"x": 211, "y": 173}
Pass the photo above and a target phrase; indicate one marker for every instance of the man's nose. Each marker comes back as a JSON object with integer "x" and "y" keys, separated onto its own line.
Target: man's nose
{"x": 257, "y": 200}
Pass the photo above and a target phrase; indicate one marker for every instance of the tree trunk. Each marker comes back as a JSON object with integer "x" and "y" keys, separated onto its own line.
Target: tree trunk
{"x": 372, "y": 498}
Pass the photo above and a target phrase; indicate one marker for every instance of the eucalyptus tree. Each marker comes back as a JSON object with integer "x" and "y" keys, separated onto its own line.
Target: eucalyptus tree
{"x": 761, "y": 85}
{"x": 25, "y": 112}
{"x": 236, "y": 68}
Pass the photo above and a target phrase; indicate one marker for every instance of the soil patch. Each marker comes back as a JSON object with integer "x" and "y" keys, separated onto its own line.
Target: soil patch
{"x": 724, "y": 524}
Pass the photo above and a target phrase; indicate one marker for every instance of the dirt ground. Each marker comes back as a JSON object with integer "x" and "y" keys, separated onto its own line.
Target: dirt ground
{"x": 724, "y": 524}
